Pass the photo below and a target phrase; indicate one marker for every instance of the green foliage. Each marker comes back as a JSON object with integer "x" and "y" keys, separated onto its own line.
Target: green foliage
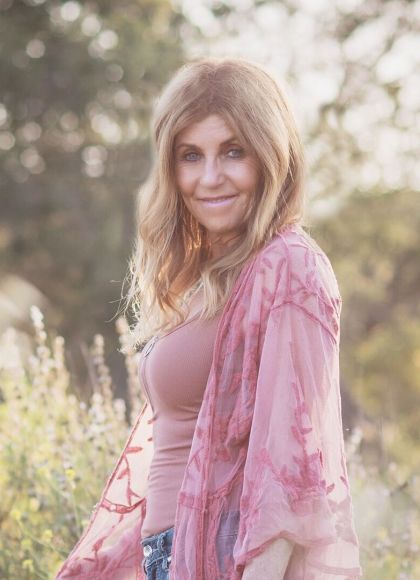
{"x": 374, "y": 245}
{"x": 57, "y": 451}
{"x": 77, "y": 82}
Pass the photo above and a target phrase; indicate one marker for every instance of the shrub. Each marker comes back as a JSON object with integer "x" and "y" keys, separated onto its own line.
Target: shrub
{"x": 56, "y": 451}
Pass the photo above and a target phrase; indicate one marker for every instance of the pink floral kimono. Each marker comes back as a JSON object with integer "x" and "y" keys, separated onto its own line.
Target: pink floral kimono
{"x": 267, "y": 458}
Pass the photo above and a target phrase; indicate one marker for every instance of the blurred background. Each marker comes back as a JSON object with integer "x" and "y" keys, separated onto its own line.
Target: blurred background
{"x": 77, "y": 85}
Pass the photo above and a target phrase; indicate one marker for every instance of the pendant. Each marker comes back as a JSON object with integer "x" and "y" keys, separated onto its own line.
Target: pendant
{"x": 150, "y": 345}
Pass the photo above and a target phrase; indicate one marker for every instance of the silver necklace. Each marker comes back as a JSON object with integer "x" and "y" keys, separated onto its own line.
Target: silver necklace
{"x": 192, "y": 292}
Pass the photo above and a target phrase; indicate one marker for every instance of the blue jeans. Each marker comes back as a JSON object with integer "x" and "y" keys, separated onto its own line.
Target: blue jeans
{"x": 157, "y": 555}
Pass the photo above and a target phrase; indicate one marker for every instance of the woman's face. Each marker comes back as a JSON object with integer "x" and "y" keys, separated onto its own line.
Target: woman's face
{"x": 216, "y": 177}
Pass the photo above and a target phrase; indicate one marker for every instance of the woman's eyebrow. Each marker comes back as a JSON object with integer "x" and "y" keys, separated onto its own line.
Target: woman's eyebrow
{"x": 227, "y": 142}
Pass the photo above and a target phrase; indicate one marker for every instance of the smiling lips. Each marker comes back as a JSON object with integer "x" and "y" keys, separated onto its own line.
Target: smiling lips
{"x": 218, "y": 200}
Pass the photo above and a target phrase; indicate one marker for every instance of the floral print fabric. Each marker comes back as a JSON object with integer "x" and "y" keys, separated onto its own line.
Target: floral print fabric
{"x": 267, "y": 458}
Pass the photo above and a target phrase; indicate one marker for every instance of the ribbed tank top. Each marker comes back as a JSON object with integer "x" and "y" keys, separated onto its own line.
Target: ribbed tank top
{"x": 173, "y": 373}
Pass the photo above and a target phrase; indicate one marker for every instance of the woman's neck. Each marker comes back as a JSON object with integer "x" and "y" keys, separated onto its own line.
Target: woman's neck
{"x": 219, "y": 245}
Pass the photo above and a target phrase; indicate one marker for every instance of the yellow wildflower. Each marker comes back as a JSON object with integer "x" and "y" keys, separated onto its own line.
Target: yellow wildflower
{"x": 34, "y": 504}
{"x": 16, "y": 514}
{"x": 26, "y": 544}
{"x": 47, "y": 536}
{"x": 28, "y": 565}
{"x": 70, "y": 474}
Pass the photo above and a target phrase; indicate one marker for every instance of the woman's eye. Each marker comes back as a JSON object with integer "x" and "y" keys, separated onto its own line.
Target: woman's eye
{"x": 233, "y": 153}
{"x": 236, "y": 152}
{"x": 191, "y": 156}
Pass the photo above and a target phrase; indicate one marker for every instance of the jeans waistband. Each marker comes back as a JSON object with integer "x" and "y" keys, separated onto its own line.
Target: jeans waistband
{"x": 158, "y": 545}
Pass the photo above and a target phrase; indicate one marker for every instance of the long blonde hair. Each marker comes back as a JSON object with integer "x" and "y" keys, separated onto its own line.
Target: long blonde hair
{"x": 171, "y": 251}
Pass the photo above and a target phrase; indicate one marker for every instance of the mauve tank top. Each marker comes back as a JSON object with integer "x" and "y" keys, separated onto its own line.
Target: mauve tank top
{"x": 173, "y": 374}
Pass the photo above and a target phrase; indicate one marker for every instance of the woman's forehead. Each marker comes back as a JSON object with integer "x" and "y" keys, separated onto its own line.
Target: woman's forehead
{"x": 213, "y": 124}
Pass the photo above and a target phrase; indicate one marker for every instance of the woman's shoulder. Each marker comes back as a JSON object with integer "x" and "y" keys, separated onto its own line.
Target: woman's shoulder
{"x": 300, "y": 263}
{"x": 294, "y": 243}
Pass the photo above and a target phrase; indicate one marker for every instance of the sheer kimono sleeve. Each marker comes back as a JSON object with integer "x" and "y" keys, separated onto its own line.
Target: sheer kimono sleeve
{"x": 295, "y": 480}
{"x": 109, "y": 548}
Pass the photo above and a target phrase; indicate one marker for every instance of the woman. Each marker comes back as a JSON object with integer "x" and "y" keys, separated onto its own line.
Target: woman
{"x": 236, "y": 465}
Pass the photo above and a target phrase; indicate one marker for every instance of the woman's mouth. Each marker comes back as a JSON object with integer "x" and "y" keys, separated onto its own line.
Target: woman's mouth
{"x": 219, "y": 201}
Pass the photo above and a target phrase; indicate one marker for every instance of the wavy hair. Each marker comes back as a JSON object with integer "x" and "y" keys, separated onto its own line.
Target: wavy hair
{"x": 172, "y": 251}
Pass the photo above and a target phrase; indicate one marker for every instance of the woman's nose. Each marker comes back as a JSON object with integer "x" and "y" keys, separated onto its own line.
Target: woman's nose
{"x": 212, "y": 174}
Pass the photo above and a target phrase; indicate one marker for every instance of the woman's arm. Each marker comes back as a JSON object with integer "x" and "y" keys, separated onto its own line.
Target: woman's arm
{"x": 272, "y": 563}
{"x": 295, "y": 483}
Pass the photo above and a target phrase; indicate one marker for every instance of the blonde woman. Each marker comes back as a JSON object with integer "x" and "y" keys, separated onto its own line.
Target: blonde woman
{"x": 236, "y": 464}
